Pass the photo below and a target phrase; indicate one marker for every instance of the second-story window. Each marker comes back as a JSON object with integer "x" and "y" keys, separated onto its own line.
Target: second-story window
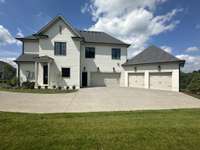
{"x": 116, "y": 53}
{"x": 60, "y": 48}
{"x": 89, "y": 52}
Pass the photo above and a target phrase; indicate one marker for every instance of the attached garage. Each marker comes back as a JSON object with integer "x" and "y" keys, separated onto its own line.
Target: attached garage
{"x": 105, "y": 79}
{"x": 136, "y": 80}
{"x": 161, "y": 81}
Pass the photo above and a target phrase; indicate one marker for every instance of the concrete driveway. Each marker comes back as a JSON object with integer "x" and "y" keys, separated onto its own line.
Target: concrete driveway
{"x": 96, "y": 99}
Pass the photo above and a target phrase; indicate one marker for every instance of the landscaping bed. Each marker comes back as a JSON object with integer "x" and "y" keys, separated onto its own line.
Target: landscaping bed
{"x": 38, "y": 91}
{"x": 140, "y": 130}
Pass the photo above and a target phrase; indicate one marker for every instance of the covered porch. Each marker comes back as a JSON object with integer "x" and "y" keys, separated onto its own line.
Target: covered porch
{"x": 43, "y": 71}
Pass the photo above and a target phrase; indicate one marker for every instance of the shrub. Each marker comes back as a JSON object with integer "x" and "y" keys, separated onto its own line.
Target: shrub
{"x": 13, "y": 82}
{"x": 194, "y": 85}
{"x": 67, "y": 88}
{"x": 28, "y": 85}
{"x": 73, "y": 87}
{"x": 54, "y": 87}
{"x": 46, "y": 87}
{"x": 60, "y": 88}
{"x": 5, "y": 85}
{"x": 39, "y": 87}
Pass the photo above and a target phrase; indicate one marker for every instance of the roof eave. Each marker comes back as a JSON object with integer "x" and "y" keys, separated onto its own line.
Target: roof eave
{"x": 177, "y": 61}
{"x": 126, "y": 45}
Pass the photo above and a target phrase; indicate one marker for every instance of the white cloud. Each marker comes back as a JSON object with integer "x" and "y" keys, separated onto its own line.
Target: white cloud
{"x": 192, "y": 49}
{"x": 167, "y": 49}
{"x": 133, "y": 21}
{"x": 2, "y": 1}
{"x": 192, "y": 62}
{"x": 6, "y": 37}
{"x": 19, "y": 33}
{"x": 9, "y": 60}
{"x": 85, "y": 8}
{"x": 197, "y": 26}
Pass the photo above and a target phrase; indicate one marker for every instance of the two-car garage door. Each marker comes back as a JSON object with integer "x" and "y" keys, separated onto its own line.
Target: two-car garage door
{"x": 158, "y": 80}
{"x": 105, "y": 79}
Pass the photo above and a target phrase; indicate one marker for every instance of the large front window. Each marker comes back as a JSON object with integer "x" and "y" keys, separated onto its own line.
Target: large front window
{"x": 89, "y": 52}
{"x": 60, "y": 48}
{"x": 116, "y": 53}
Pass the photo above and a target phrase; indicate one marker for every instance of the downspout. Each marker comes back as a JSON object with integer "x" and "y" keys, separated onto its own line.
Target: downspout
{"x": 22, "y": 47}
{"x": 80, "y": 80}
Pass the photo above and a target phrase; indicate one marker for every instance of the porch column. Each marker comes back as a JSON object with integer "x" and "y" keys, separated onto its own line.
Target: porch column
{"x": 36, "y": 74}
{"x": 48, "y": 73}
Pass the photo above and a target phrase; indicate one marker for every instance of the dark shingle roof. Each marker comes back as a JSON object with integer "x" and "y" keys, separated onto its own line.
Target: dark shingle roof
{"x": 27, "y": 58}
{"x": 32, "y": 37}
{"x": 87, "y": 36}
{"x": 100, "y": 37}
{"x": 152, "y": 54}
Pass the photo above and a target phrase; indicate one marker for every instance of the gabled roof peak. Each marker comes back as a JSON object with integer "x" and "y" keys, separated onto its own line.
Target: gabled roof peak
{"x": 59, "y": 17}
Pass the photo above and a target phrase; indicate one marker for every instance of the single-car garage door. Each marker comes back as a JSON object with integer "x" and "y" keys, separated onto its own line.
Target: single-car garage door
{"x": 136, "y": 80}
{"x": 161, "y": 81}
{"x": 105, "y": 79}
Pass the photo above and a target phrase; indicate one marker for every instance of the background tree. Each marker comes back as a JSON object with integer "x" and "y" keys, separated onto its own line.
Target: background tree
{"x": 194, "y": 85}
{"x": 9, "y": 72}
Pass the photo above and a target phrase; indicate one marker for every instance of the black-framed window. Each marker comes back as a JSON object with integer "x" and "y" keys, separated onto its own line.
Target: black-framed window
{"x": 66, "y": 72}
{"x": 89, "y": 52}
{"x": 60, "y": 48}
{"x": 116, "y": 53}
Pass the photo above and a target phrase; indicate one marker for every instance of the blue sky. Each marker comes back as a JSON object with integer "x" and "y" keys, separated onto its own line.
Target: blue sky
{"x": 173, "y": 25}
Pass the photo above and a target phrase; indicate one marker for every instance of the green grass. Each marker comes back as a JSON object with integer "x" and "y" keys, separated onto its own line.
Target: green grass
{"x": 38, "y": 91}
{"x": 140, "y": 130}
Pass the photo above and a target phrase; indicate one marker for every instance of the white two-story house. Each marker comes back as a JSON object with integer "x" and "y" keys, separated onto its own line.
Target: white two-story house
{"x": 61, "y": 56}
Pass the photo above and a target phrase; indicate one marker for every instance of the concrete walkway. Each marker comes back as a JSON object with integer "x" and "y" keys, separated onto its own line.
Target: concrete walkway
{"x": 96, "y": 99}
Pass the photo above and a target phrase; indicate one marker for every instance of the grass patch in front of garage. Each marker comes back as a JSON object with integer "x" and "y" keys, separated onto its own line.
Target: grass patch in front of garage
{"x": 36, "y": 91}
{"x": 140, "y": 130}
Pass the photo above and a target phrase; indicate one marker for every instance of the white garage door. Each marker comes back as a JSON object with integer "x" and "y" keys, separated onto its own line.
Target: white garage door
{"x": 136, "y": 80}
{"x": 105, "y": 79}
{"x": 161, "y": 81}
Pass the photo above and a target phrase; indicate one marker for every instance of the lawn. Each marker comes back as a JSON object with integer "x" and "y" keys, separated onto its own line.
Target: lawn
{"x": 140, "y": 130}
{"x": 37, "y": 91}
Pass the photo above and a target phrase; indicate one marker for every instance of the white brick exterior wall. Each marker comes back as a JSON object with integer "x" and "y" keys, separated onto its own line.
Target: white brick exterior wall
{"x": 103, "y": 59}
{"x": 31, "y": 47}
{"x": 71, "y": 60}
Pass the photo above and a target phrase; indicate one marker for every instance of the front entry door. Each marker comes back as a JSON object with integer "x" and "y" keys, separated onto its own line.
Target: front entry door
{"x": 84, "y": 79}
{"x": 45, "y": 74}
